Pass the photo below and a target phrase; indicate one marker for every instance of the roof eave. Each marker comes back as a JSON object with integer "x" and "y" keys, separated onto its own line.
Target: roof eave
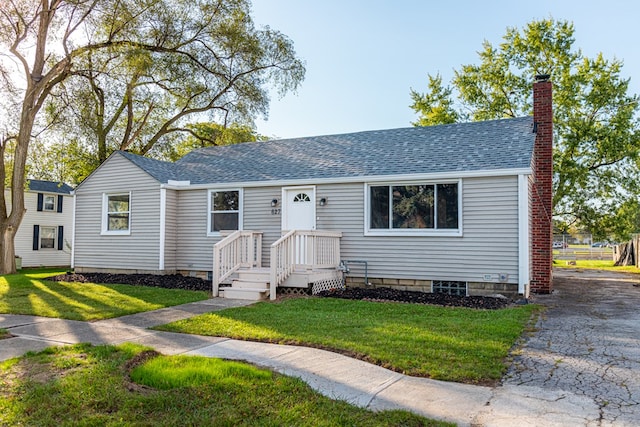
{"x": 357, "y": 179}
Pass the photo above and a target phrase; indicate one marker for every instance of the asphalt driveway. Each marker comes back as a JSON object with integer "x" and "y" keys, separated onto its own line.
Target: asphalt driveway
{"x": 587, "y": 342}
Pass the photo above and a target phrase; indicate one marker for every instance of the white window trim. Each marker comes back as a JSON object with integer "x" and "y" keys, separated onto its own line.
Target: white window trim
{"x": 240, "y": 209}
{"x": 55, "y": 238}
{"x": 105, "y": 221}
{"x": 412, "y": 231}
{"x": 44, "y": 203}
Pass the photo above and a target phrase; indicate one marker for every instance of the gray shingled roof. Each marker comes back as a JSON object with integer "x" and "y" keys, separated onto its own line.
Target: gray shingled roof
{"x": 40, "y": 186}
{"x": 162, "y": 171}
{"x": 488, "y": 145}
{"x": 478, "y": 146}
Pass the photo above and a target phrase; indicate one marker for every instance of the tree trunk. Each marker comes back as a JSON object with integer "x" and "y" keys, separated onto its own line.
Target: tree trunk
{"x": 8, "y": 251}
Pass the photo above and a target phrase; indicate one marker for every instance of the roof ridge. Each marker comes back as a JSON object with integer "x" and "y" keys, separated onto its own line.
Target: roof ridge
{"x": 484, "y": 145}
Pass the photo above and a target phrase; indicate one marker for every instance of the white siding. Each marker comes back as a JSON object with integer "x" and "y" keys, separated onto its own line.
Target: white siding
{"x": 171, "y": 231}
{"x": 489, "y": 244}
{"x": 195, "y": 248}
{"x": 24, "y": 236}
{"x": 260, "y": 216}
{"x": 140, "y": 249}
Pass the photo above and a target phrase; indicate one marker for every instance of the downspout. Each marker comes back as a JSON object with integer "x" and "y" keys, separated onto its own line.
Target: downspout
{"x": 524, "y": 260}
{"x": 73, "y": 232}
{"x": 163, "y": 220}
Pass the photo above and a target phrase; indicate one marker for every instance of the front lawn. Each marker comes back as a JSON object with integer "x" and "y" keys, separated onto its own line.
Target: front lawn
{"x": 128, "y": 385}
{"x": 28, "y": 292}
{"x": 452, "y": 344}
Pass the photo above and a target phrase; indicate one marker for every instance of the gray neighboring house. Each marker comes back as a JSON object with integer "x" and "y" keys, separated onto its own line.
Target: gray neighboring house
{"x": 44, "y": 236}
{"x": 447, "y": 208}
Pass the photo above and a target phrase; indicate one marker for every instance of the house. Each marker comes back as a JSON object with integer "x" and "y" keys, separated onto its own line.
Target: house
{"x": 462, "y": 208}
{"x": 44, "y": 236}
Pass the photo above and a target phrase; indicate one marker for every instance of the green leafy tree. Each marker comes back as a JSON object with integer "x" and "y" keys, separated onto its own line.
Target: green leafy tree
{"x": 597, "y": 143}
{"x": 436, "y": 106}
{"x": 209, "y": 63}
{"x": 138, "y": 71}
{"x": 210, "y": 134}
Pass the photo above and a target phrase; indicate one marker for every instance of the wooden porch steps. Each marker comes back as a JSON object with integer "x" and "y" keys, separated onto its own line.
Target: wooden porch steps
{"x": 250, "y": 284}
{"x": 253, "y": 283}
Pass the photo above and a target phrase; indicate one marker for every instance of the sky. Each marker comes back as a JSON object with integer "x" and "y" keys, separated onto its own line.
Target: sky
{"x": 364, "y": 56}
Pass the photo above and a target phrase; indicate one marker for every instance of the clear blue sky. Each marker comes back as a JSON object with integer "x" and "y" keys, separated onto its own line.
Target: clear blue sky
{"x": 364, "y": 56}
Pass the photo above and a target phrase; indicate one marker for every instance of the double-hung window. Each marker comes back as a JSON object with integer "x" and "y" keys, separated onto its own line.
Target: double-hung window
{"x": 47, "y": 237}
{"x": 224, "y": 211}
{"x": 414, "y": 208}
{"x": 116, "y": 213}
{"x": 49, "y": 203}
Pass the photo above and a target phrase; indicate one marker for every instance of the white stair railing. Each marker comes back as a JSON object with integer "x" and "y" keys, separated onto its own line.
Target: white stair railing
{"x": 239, "y": 249}
{"x": 282, "y": 261}
{"x": 303, "y": 249}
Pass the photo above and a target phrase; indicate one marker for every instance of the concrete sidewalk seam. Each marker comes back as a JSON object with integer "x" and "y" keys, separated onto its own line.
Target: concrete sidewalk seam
{"x": 382, "y": 388}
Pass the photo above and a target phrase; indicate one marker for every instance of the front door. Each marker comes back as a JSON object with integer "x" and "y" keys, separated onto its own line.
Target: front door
{"x": 299, "y": 208}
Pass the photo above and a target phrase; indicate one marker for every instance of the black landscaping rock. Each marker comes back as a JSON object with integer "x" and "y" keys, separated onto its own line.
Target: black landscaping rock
{"x": 167, "y": 281}
{"x": 388, "y": 294}
{"x": 177, "y": 281}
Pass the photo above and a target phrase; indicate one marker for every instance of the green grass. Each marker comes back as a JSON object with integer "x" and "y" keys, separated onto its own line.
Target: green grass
{"x": 28, "y": 293}
{"x": 86, "y": 385}
{"x": 597, "y": 265}
{"x": 4, "y": 334}
{"x": 452, "y": 344}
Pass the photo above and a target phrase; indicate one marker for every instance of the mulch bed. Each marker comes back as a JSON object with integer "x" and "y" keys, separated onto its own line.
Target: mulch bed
{"x": 177, "y": 281}
{"x": 167, "y": 281}
{"x": 388, "y": 294}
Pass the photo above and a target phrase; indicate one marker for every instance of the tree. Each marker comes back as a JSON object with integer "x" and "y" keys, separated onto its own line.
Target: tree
{"x": 597, "y": 143}
{"x": 210, "y": 134}
{"x": 435, "y": 106}
{"x": 171, "y": 60}
{"x": 212, "y": 68}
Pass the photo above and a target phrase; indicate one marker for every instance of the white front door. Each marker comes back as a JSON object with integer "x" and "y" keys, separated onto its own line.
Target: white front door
{"x": 299, "y": 208}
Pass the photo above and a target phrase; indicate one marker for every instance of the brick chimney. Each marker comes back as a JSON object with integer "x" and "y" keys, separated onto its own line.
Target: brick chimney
{"x": 541, "y": 188}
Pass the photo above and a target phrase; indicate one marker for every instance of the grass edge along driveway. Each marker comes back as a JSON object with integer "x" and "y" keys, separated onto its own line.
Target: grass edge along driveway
{"x": 444, "y": 343}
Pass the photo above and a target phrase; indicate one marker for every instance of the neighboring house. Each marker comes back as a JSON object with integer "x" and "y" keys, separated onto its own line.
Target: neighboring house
{"x": 462, "y": 208}
{"x": 45, "y": 233}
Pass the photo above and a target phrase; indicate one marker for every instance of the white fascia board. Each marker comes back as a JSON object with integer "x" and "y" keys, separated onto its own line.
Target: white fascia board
{"x": 174, "y": 183}
{"x": 356, "y": 179}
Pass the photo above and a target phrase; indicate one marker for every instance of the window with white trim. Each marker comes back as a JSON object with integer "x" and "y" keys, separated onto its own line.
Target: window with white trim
{"x": 47, "y": 237}
{"x": 116, "y": 213}
{"x": 224, "y": 210}
{"x": 49, "y": 203}
{"x": 406, "y": 207}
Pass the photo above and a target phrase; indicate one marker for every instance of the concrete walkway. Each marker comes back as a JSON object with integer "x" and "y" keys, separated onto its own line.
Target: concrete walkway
{"x": 532, "y": 394}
